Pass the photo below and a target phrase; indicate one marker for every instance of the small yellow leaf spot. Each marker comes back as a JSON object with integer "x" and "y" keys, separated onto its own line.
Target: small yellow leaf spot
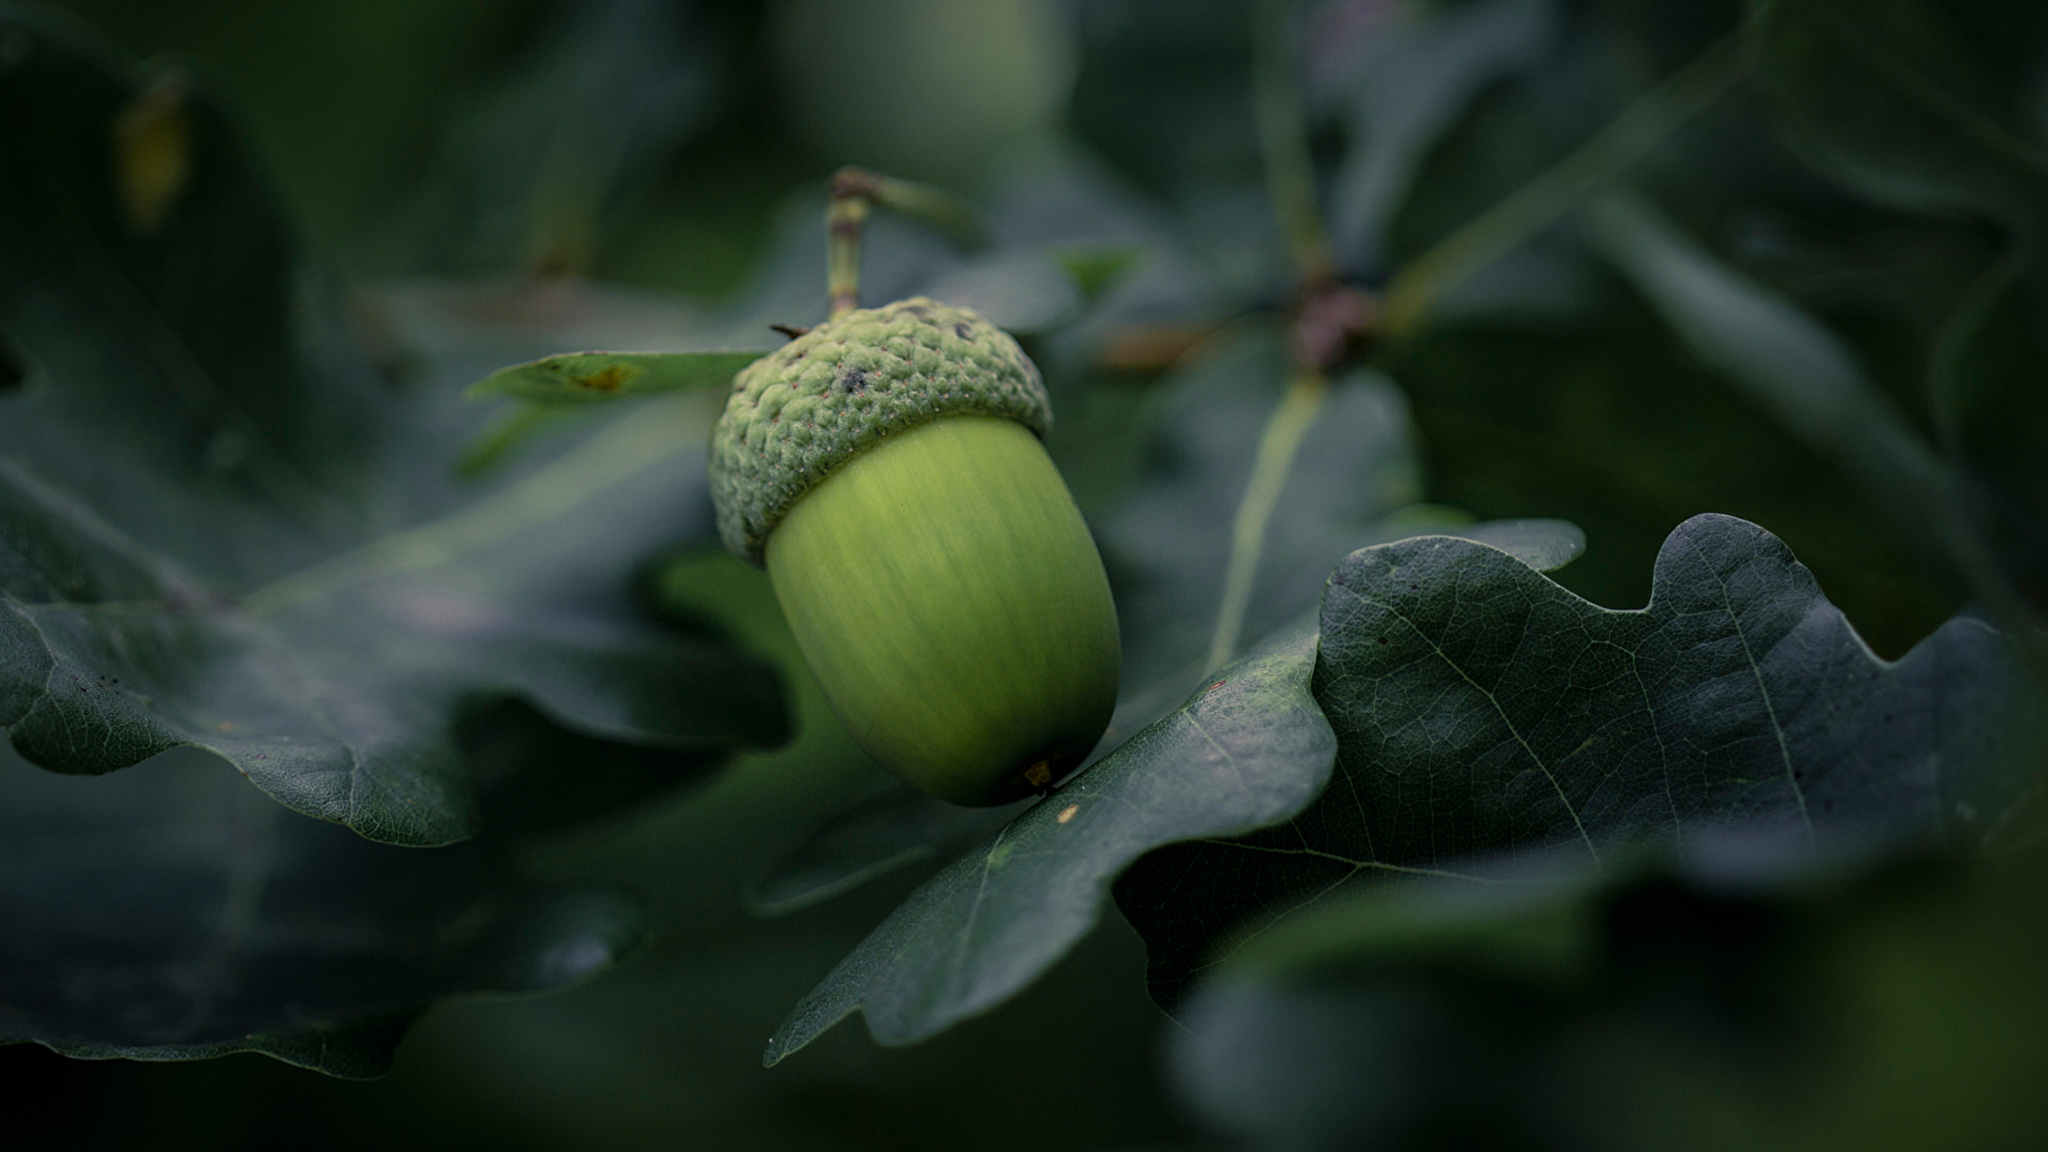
{"x": 153, "y": 153}
{"x": 226, "y": 726}
{"x": 1067, "y": 813}
{"x": 609, "y": 378}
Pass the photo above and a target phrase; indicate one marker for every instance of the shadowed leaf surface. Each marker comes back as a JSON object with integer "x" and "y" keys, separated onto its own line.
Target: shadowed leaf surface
{"x": 174, "y": 913}
{"x": 1691, "y": 995}
{"x": 219, "y": 528}
{"x": 1936, "y": 109}
{"x": 651, "y": 141}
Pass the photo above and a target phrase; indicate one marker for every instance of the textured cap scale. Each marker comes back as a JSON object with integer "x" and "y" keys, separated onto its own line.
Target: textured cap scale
{"x": 805, "y": 409}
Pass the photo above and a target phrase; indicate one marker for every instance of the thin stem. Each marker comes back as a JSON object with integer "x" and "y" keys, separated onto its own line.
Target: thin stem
{"x": 850, "y": 196}
{"x": 1283, "y": 143}
{"x": 856, "y": 192}
{"x": 1545, "y": 200}
{"x": 1278, "y": 445}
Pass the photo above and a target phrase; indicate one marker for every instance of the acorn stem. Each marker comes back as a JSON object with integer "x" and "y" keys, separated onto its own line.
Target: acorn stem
{"x": 853, "y": 192}
{"x": 844, "y": 216}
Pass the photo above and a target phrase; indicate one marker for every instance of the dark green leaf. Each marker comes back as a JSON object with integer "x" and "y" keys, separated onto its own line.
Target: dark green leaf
{"x": 218, "y": 528}
{"x": 336, "y": 688}
{"x": 1481, "y": 709}
{"x": 1290, "y": 1045}
{"x": 1243, "y": 752}
{"x": 1986, "y": 391}
{"x": 1804, "y": 375}
{"x": 584, "y": 377}
{"x": 1621, "y": 428}
{"x": 13, "y": 370}
{"x": 174, "y": 913}
{"x": 158, "y": 308}
{"x": 1545, "y": 545}
{"x": 1538, "y": 151}
{"x": 534, "y": 775}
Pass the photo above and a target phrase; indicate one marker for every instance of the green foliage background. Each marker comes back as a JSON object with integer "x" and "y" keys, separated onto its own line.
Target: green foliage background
{"x": 501, "y": 180}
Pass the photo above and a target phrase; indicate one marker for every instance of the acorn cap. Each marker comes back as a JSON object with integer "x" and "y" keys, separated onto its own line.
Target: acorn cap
{"x": 803, "y": 410}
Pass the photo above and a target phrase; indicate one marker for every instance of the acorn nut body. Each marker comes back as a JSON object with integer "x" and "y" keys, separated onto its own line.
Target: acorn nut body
{"x": 886, "y": 467}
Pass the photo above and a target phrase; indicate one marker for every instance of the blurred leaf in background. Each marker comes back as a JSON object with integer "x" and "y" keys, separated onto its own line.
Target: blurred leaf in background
{"x": 607, "y": 94}
{"x": 923, "y": 88}
{"x": 1730, "y": 993}
{"x": 177, "y": 913}
{"x": 343, "y": 99}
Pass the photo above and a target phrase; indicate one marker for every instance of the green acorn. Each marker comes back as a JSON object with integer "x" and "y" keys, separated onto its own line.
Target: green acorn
{"x": 886, "y": 467}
